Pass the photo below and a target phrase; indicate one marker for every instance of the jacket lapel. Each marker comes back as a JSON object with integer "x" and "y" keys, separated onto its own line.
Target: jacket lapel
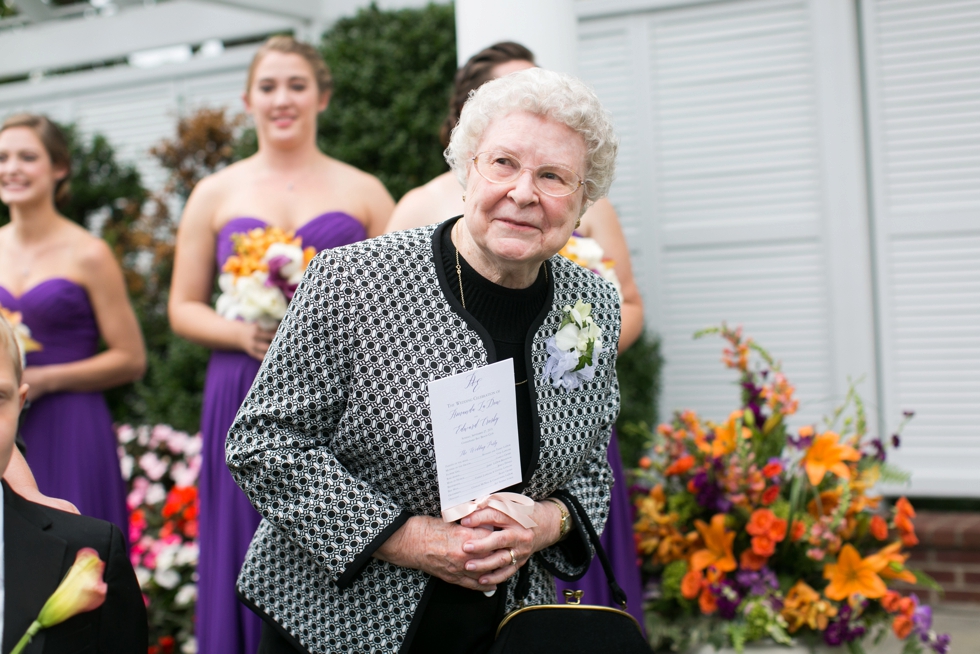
{"x": 33, "y": 560}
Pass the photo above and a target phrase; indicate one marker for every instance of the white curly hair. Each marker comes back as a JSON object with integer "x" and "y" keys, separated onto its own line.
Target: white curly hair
{"x": 555, "y": 96}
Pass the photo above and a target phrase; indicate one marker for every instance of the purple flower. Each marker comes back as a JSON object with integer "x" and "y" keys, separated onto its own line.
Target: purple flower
{"x": 800, "y": 442}
{"x": 921, "y": 618}
{"x": 757, "y": 582}
{"x": 940, "y": 644}
{"x": 728, "y": 599}
{"x": 908, "y": 414}
{"x": 841, "y": 630}
{"x": 879, "y": 449}
{"x": 896, "y": 440}
{"x": 276, "y": 278}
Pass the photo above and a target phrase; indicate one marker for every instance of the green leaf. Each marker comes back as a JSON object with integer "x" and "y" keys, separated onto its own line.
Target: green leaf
{"x": 922, "y": 579}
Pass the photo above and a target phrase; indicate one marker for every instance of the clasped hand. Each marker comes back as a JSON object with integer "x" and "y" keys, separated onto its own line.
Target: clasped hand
{"x": 476, "y": 553}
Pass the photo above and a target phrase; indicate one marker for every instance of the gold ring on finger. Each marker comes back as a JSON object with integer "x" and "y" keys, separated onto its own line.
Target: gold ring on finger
{"x": 513, "y": 558}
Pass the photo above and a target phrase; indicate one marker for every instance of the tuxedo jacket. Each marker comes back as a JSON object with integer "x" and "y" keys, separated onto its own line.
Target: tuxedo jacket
{"x": 333, "y": 444}
{"x": 39, "y": 546}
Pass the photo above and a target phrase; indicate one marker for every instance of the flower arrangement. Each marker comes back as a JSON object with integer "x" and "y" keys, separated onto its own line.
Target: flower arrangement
{"x": 573, "y": 351}
{"x": 754, "y": 533}
{"x": 587, "y": 253}
{"x": 259, "y": 279}
{"x": 161, "y": 466}
{"x": 22, "y": 333}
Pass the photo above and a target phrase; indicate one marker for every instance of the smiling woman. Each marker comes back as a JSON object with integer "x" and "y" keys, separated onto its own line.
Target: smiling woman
{"x": 289, "y": 192}
{"x": 334, "y": 444}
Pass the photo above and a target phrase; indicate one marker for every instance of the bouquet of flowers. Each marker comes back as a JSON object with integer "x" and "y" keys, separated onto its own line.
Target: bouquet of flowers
{"x": 587, "y": 253}
{"x": 259, "y": 279}
{"x": 754, "y": 533}
{"x": 161, "y": 466}
{"x": 22, "y": 333}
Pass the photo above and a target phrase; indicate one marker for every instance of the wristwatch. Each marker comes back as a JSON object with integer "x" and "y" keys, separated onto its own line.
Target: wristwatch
{"x": 566, "y": 518}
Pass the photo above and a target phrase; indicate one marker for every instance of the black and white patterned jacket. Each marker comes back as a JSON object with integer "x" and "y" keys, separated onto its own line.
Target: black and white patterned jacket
{"x": 333, "y": 444}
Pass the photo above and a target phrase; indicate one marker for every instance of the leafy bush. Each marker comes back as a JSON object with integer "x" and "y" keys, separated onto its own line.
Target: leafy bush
{"x": 638, "y": 370}
{"x": 393, "y": 73}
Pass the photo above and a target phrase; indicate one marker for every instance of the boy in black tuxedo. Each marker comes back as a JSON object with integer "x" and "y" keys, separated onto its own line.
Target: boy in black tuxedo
{"x": 39, "y": 544}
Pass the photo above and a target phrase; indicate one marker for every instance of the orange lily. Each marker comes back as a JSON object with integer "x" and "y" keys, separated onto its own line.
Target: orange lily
{"x": 680, "y": 466}
{"x": 803, "y": 607}
{"x": 893, "y": 563}
{"x": 852, "y": 575}
{"x": 718, "y": 546}
{"x": 827, "y": 454}
{"x": 725, "y": 442}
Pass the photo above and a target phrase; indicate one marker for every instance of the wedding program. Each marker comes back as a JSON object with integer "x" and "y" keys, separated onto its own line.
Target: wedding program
{"x": 474, "y": 424}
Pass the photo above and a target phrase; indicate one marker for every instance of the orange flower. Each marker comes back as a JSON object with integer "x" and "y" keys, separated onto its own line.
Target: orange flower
{"x": 691, "y": 583}
{"x": 903, "y": 522}
{"x": 879, "y": 528}
{"x": 803, "y": 607}
{"x": 798, "y": 531}
{"x": 770, "y": 495}
{"x": 828, "y": 455}
{"x": 725, "y": 440}
{"x": 771, "y": 470}
{"x": 645, "y": 462}
{"x": 766, "y": 530}
{"x": 708, "y": 603}
{"x": 893, "y": 563}
{"x": 680, "y": 466}
{"x": 827, "y": 505}
{"x": 852, "y": 575}
{"x": 718, "y": 545}
{"x": 902, "y": 626}
{"x": 751, "y": 561}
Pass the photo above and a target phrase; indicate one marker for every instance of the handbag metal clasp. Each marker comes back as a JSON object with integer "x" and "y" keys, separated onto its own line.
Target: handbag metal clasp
{"x": 573, "y": 597}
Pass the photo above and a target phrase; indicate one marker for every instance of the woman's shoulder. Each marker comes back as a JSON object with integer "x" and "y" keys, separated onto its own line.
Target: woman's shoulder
{"x": 350, "y": 177}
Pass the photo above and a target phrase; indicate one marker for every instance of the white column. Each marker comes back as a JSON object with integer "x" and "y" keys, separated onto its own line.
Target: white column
{"x": 546, "y": 27}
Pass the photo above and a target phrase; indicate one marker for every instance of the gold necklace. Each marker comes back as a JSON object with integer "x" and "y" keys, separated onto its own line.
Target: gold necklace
{"x": 459, "y": 278}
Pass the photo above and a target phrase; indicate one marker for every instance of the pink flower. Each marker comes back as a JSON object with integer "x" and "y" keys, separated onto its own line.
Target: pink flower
{"x": 154, "y": 467}
{"x": 138, "y": 493}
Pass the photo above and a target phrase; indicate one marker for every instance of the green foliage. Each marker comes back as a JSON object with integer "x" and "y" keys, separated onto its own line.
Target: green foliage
{"x": 670, "y": 582}
{"x": 393, "y": 73}
{"x": 684, "y": 505}
{"x": 638, "y": 370}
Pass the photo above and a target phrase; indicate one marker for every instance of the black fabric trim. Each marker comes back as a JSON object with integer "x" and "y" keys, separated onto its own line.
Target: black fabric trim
{"x": 268, "y": 619}
{"x": 575, "y": 547}
{"x": 532, "y": 383}
{"x": 457, "y": 307}
{"x": 430, "y": 588}
{"x": 355, "y": 567}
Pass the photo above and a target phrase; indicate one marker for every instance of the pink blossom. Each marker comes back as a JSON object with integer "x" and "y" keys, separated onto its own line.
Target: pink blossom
{"x": 138, "y": 493}
{"x": 125, "y": 433}
{"x": 154, "y": 467}
{"x": 159, "y": 435}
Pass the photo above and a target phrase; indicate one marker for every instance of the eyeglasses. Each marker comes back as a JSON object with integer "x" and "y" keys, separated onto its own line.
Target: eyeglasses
{"x": 551, "y": 179}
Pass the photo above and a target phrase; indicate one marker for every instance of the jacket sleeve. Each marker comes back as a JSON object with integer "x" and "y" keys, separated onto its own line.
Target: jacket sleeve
{"x": 591, "y": 485}
{"x": 123, "y": 627}
{"x": 280, "y": 447}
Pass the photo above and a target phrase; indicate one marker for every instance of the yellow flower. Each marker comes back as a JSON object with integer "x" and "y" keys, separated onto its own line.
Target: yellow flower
{"x": 852, "y": 575}
{"x": 718, "y": 546}
{"x": 828, "y": 455}
{"x": 80, "y": 591}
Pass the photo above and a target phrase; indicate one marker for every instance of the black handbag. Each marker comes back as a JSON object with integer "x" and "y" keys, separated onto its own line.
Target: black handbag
{"x": 571, "y": 628}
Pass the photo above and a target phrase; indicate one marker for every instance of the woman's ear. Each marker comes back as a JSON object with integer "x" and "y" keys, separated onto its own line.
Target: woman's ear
{"x": 60, "y": 172}
{"x": 324, "y": 101}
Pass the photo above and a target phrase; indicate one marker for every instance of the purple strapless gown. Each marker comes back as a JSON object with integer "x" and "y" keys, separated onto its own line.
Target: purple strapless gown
{"x": 227, "y": 519}
{"x": 71, "y": 446}
{"x": 617, "y": 541}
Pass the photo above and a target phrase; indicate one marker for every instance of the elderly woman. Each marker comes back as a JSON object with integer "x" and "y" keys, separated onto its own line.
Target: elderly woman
{"x": 334, "y": 442}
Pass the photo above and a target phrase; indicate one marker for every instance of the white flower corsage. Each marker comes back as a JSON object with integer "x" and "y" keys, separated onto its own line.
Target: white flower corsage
{"x": 574, "y": 349}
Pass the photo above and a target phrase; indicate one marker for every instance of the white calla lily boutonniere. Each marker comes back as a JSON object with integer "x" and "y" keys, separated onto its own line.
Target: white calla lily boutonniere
{"x": 574, "y": 349}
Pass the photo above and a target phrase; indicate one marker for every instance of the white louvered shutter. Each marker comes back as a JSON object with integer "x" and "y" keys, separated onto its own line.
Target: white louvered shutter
{"x": 730, "y": 184}
{"x": 923, "y": 68}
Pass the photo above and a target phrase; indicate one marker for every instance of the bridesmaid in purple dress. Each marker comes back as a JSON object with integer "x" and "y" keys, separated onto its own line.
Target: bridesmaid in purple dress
{"x": 441, "y": 198}
{"x": 69, "y": 290}
{"x": 289, "y": 184}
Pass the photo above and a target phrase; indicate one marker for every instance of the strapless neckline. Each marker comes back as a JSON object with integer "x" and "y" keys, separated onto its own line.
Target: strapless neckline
{"x": 45, "y": 282}
{"x": 314, "y": 220}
